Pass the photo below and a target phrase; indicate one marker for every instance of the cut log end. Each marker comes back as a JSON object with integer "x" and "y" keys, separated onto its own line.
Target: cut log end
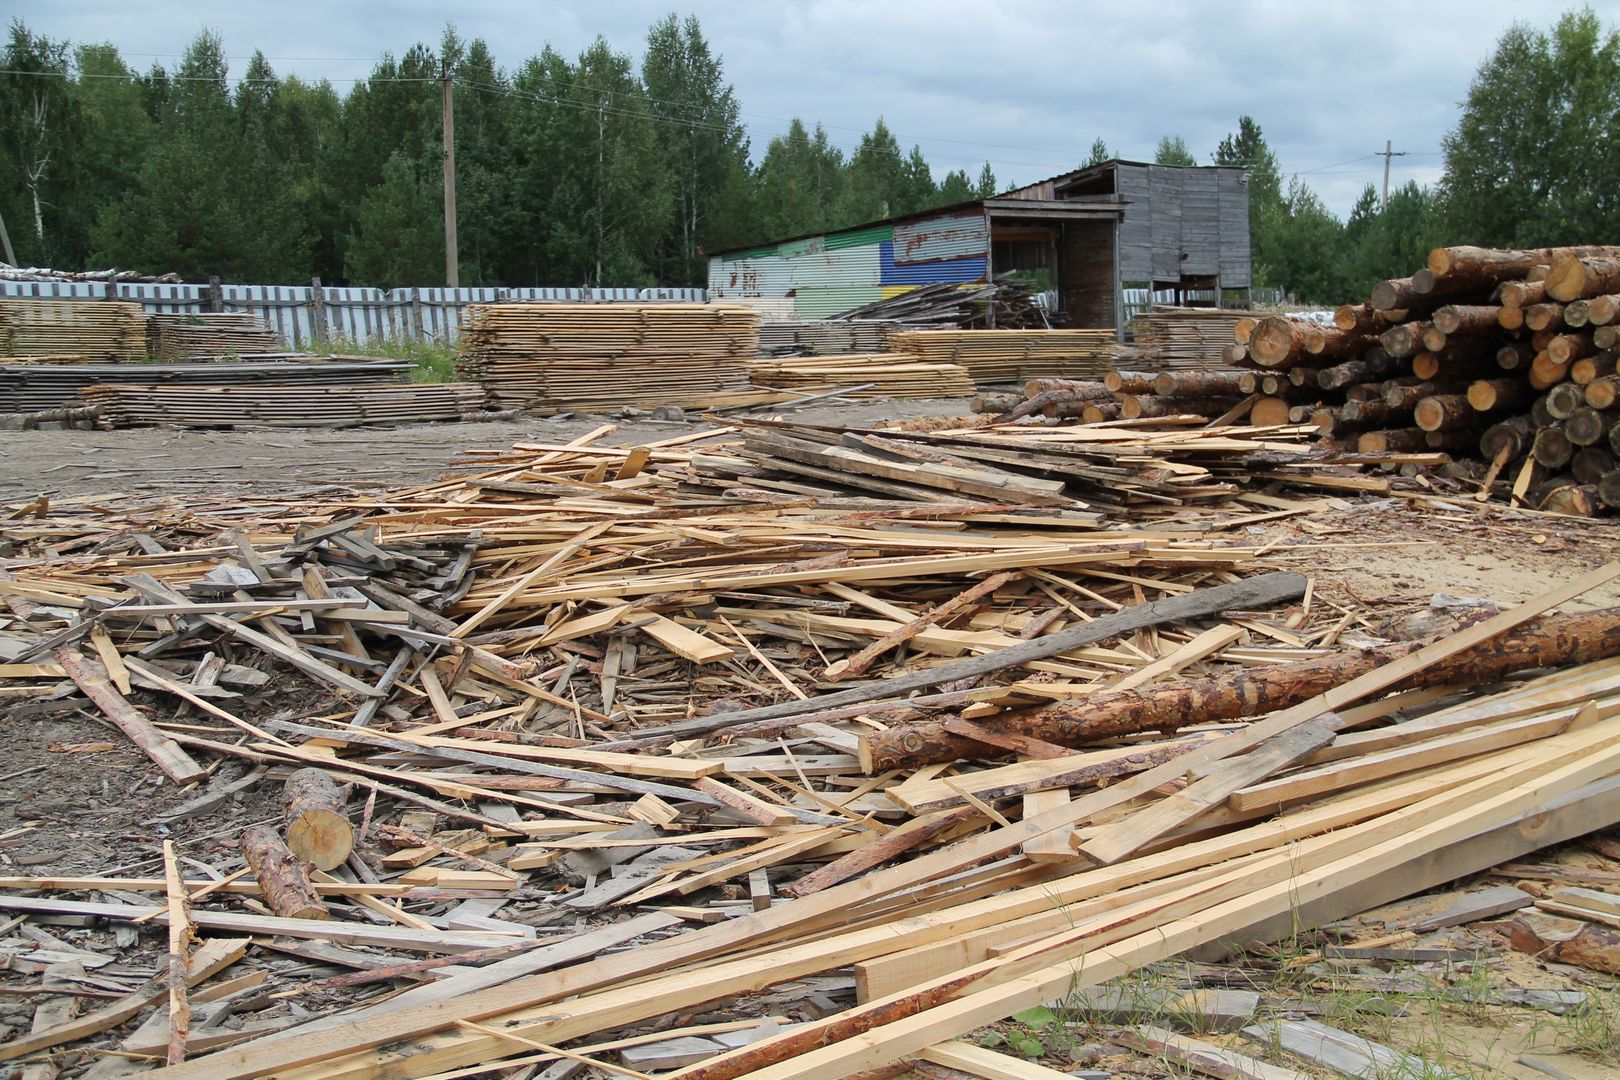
{"x": 282, "y": 880}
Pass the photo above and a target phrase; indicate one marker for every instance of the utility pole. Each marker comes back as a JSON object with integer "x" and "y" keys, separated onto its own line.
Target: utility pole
{"x": 452, "y": 270}
{"x": 5, "y": 241}
{"x": 1386, "y": 155}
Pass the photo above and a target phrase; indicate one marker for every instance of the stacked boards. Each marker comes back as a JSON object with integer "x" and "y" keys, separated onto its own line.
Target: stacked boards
{"x": 824, "y": 337}
{"x": 280, "y": 406}
{"x": 601, "y": 356}
{"x": 1002, "y": 356}
{"x": 34, "y": 387}
{"x": 1187, "y": 339}
{"x": 873, "y": 375}
{"x": 97, "y": 331}
{"x": 185, "y": 337}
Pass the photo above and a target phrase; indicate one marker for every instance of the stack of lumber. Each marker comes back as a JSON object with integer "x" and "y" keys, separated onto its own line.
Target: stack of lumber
{"x": 100, "y": 331}
{"x": 186, "y": 337}
{"x": 872, "y": 375}
{"x": 1504, "y": 354}
{"x": 824, "y": 337}
{"x": 1002, "y": 356}
{"x": 320, "y": 405}
{"x": 598, "y": 746}
{"x": 597, "y": 356}
{"x": 35, "y": 386}
{"x": 1187, "y": 339}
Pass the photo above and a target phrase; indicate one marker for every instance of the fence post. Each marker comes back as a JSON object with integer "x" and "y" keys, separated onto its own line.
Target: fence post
{"x": 317, "y": 300}
{"x": 416, "y": 314}
{"x": 216, "y": 295}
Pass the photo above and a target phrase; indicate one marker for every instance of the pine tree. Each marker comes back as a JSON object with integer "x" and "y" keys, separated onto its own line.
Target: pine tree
{"x": 1099, "y": 153}
{"x": 1173, "y": 150}
{"x": 399, "y": 240}
{"x": 987, "y": 182}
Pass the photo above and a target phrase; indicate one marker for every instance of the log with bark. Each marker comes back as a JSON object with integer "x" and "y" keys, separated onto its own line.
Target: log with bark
{"x": 318, "y": 830}
{"x": 1550, "y": 640}
{"x": 282, "y": 880}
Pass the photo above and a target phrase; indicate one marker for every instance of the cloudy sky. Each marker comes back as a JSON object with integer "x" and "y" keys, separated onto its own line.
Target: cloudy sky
{"x": 1025, "y": 86}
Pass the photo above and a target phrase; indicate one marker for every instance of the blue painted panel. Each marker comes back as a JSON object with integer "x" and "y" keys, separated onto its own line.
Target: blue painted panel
{"x": 954, "y": 271}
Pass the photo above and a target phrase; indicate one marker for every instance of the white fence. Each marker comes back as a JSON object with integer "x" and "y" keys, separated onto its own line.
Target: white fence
{"x": 300, "y": 313}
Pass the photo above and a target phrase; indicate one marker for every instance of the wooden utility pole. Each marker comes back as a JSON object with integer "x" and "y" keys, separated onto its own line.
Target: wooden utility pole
{"x": 452, "y": 270}
{"x": 1388, "y": 153}
{"x": 5, "y": 242}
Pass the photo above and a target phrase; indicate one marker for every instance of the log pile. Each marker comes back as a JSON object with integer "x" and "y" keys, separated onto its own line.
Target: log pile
{"x": 1504, "y": 354}
{"x": 95, "y": 331}
{"x": 320, "y": 405}
{"x": 36, "y": 386}
{"x": 874, "y": 375}
{"x": 587, "y": 740}
{"x": 1012, "y": 356}
{"x": 188, "y": 337}
{"x": 599, "y": 356}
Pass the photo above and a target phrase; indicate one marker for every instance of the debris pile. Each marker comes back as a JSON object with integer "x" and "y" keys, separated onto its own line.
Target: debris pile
{"x": 985, "y": 716}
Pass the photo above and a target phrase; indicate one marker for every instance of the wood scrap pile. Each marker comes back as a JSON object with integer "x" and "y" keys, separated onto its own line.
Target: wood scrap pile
{"x": 823, "y": 337}
{"x": 872, "y": 375}
{"x": 626, "y": 727}
{"x": 1007, "y": 303}
{"x": 35, "y": 386}
{"x": 322, "y": 404}
{"x": 187, "y": 337}
{"x": 1504, "y": 354}
{"x": 1002, "y": 356}
{"x": 97, "y": 331}
{"x": 596, "y": 356}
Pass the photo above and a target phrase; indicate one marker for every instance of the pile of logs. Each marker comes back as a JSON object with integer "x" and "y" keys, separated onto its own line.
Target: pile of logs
{"x": 187, "y": 337}
{"x": 1507, "y": 353}
{"x": 96, "y": 331}
{"x": 583, "y": 356}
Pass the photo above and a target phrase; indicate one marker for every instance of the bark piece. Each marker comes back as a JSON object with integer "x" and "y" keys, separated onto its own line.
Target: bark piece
{"x": 282, "y": 880}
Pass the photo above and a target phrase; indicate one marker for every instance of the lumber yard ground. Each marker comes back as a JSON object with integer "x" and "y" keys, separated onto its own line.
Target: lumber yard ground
{"x": 1431, "y": 987}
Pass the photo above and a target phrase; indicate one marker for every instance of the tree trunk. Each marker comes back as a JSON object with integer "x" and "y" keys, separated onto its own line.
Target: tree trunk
{"x": 1563, "y": 400}
{"x": 1521, "y": 294}
{"x": 1359, "y": 318}
{"x": 1243, "y": 329}
{"x": 1146, "y": 406}
{"x": 1571, "y": 500}
{"x": 1587, "y": 427}
{"x": 1394, "y": 294}
{"x": 1545, "y": 316}
{"x": 1490, "y": 265}
{"x": 1277, "y": 342}
{"x": 1392, "y": 441}
{"x": 1573, "y": 277}
{"x": 1351, "y": 371}
{"x": 1591, "y": 464}
{"x": 1567, "y": 348}
{"x": 318, "y": 831}
{"x": 1551, "y": 448}
{"x": 1514, "y": 434}
{"x": 1510, "y": 318}
{"x": 1466, "y": 318}
{"x": 1547, "y": 372}
{"x": 1488, "y": 394}
{"x": 1603, "y": 393}
{"x": 1444, "y": 412}
{"x": 1269, "y": 411}
{"x": 1588, "y": 368}
{"x": 1404, "y": 339}
{"x": 1129, "y": 382}
{"x": 1462, "y": 439}
{"x": 1606, "y": 337}
{"x": 282, "y": 882}
{"x": 1406, "y": 393}
{"x": 1548, "y": 641}
{"x": 1514, "y": 356}
{"x": 1202, "y": 384}
{"x": 1304, "y": 378}
{"x": 1373, "y": 413}
{"x": 1097, "y": 413}
{"x": 1609, "y": 488}
{"x": 1603, "y": 310}
{"x": 1577, "y": 314}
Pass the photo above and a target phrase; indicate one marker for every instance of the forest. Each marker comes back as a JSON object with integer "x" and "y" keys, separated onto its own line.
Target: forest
{"x": 612, "y": 170}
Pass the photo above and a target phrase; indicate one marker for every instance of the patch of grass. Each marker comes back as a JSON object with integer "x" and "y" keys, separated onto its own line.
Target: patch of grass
{"x": 433, "y": 361}
{"x": 1593, "y": 1030}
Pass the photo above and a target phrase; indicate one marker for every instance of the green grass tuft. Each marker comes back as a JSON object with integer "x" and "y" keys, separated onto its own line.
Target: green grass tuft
{"x": 434, "y": 361}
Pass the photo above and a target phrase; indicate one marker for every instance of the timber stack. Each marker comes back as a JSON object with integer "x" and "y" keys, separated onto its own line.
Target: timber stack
{"x": 1196, "y": 339}
{"x": 243, "y": 405}
{"x": 1011, "y": 356}
{"x": 92, "y": 331}
{"x": 35, "y": 386}
{"x": 546, "y": 356}
{"x": 873, "y": 375}
{"x": 190, "y": 337}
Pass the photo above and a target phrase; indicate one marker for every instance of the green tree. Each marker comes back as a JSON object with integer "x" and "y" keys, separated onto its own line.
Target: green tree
{"x": 1172, "y": 150}
{"x": 1099, "y": 153}
{"x": 1534, "y": 158}
{"x": 987, "y": 182}
{"x": 701, "y": 141}
{"x": 399, "y": 240}
{"x": 1385, "y": 242}
{"x": 877, "y": 185}
{"x": 35, "y": 140}
{"x": 801, "y": 183}
{"x": 956, "y": 188}
{"x": 1307, "y": 248}
{"x": 917, "y": 188}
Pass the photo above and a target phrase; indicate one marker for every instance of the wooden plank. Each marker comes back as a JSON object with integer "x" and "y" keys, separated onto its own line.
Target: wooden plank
{"x": 176, "y": 764}
{"x": 1118, "y": 841}
{"x": 1053, "y": 846}
{"x": 1204, "y": 645}
{"x": 986, "y": 1063}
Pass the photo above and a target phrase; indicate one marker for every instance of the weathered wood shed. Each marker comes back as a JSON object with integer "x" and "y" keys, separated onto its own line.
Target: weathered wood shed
{"x": 1096, "y": 235}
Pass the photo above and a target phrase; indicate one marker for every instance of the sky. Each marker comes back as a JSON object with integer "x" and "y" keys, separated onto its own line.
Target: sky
{"x": 1024, "y": 86}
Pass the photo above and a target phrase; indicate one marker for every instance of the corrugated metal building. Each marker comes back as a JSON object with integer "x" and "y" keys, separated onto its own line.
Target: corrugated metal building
{"x": 1101, "y": 233}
